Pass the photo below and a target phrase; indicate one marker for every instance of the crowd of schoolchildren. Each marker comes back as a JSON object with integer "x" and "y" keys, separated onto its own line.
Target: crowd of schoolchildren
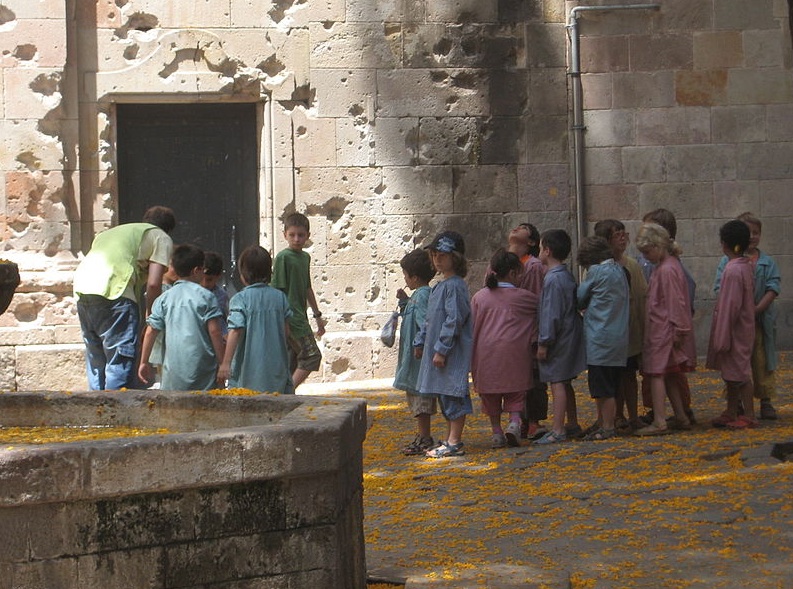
{"x": 260, "y": 339}
{"x": 195, "y": 337}
{"x": 533, "y": 327}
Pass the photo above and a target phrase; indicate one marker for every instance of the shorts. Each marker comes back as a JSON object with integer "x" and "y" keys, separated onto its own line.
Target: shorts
{"x": 304, "y": 353}
{"x": 421, "y": 404}
{"x": 632, "y": 365}
{"x": 604, "y": 381}
{"x": 455, "y": 407}
{"x": 494, "y": 404}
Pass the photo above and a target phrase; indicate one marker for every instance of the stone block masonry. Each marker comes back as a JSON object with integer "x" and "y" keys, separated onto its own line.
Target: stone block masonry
{"x": 385, "y": 122}
{"x": 254, "y": 490}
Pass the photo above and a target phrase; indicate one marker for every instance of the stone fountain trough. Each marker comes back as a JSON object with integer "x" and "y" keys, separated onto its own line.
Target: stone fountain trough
{"x": 247, "y": 492}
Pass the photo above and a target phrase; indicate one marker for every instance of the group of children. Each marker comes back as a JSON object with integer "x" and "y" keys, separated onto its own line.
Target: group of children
{"x": 533, "y": 324}
{"x": 259, "y": 340}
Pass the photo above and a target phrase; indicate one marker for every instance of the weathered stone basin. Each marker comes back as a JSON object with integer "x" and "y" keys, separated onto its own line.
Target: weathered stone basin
{"x": 247, "y": 492}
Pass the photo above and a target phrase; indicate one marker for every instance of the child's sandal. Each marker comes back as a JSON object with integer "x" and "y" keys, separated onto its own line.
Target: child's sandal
{"x": 446, "y": 450}
{"x": 600, "y": 434}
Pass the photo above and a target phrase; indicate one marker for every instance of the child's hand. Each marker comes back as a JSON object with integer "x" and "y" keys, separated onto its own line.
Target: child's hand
{"x": 146, "y": 372}
{"x": 542, "y": 353}
{"x": 439, "y": 360}
{"x": 320, "y": 327}
{"x": 401, "y": 294}
{"x": 224, "y": 371}
{"x": 418, "y": 352}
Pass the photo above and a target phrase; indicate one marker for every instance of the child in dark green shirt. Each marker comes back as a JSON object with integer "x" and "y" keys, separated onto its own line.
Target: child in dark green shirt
{"x": 292, "y": 275}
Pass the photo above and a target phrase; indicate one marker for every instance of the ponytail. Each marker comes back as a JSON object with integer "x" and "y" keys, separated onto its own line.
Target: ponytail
{"x": 501, "y": 264}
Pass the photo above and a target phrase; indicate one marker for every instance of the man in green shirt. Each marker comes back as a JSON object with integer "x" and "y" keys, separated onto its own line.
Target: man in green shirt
{"x": 123, "y": 269}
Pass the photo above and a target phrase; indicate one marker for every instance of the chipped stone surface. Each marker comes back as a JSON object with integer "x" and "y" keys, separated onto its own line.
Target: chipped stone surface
{"x": 387, "y": 121}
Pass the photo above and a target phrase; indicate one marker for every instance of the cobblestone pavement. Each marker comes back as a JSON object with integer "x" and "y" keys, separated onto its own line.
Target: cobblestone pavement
{"x": 707, "y": 508}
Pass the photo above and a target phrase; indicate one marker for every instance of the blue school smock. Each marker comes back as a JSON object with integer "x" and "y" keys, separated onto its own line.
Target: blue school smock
{"x": 560, "y": 327}
{"x": 604, "y": 295}
{"x": 448, "y": 330}
{"x": 261, "y": 360}
{"x": 412, "y": 316}
{"x": 182, "y": 313}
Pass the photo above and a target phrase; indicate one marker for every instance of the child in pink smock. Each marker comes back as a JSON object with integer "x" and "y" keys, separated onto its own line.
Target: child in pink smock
{"x": 504, "y": 318}
{"x": 733, "y": 328}
{"x": 669, "y": 346}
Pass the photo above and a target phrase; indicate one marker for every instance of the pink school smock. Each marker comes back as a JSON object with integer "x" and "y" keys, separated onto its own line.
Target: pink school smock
{"x": 733, "y": 325}
{"x": 504, "y": 322}
{"x": 668, "y": 313}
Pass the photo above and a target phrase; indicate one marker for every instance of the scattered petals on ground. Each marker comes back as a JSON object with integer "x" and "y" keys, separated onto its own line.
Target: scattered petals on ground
{"x": 694, "y": 509}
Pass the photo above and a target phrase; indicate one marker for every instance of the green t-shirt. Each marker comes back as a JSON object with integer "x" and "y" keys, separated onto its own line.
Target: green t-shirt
{"x": 291, "y": 275}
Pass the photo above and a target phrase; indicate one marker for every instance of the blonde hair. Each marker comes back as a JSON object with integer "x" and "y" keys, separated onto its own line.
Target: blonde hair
{"x": 654, "y": 234}
{"x": 749, "y": 217}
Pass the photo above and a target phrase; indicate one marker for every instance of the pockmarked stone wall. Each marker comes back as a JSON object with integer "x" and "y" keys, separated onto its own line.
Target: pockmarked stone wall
{"x": 690, "y": 108}
{"x": 385, "y": 122}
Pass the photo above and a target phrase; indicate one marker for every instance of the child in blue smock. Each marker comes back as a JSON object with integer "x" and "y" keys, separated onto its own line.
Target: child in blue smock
{"x": 417, "y": 270}
{"x": 604, "y": 296}
{"x": 560, "y": 341}
{"x": 445, "y": 341}
{"x": 189, "y": 316}
{"x": 257, "y": 355}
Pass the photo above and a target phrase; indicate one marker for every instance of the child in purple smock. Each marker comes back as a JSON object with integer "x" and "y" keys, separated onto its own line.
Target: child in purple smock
{"x": 504, "y": 318}
{"x": 733, "y": 328}
{"x": 669, "y": 346}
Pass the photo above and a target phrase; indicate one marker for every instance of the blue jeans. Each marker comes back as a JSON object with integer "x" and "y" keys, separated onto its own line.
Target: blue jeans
{"x": 110, "y": 333}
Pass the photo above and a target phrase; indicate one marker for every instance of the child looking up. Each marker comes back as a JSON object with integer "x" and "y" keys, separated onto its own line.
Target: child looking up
{"x": 733, "y": 328}
{"x": 614, "y": 232}
{"x": 604, "y": 295}
{"x": 257, "y": 353}
{"x": 669, "y": 346}
{"x": 560, "y": 349}
{"x": 417, "y": 270}
{"x": 503, "y": 318}
{"x": 293, "y": 276}
{"x": 766, "y": 289}
{"x": 524, "y": 241}
{"x": 189, "y": 316}
{"x": 444, "y": 342}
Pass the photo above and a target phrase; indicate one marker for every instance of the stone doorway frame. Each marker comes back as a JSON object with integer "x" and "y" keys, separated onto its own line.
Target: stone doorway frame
{"x": 212, "y": 78}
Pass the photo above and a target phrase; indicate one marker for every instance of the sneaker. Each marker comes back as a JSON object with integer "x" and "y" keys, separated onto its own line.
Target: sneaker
{"x": 551, "y": 438}
{"x": 767, "y": 410}
{"x": 418, "y": 447}
{"x": 499, "y": 441}
{"x": 512, "y": 434}
{"x": 446, "y": 450}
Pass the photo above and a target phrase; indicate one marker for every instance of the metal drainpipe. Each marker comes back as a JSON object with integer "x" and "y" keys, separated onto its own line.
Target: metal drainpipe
{"x": 578, "y": 127}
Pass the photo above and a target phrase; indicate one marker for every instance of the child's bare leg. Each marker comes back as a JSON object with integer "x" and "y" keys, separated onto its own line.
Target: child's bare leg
{"x": 495, "y": 424}
{"x": 676, "y": 399}
{"x": 572, "y": 408}
{"x": 630, "y": 393}
{"x": 658, "y": 391}
{"x": 607, "y": 410}
{"x": 423, "y": 422}
{"x": 559, "y": 394}
{"x": 733, "y": 399}
{"x": 299, "y": 375}
{"x": 746, "y": 392}
{"x": 456, "y": 430}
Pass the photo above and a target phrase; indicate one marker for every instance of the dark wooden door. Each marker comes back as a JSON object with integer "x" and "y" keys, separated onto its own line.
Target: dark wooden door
{"x": 198, "y": 159}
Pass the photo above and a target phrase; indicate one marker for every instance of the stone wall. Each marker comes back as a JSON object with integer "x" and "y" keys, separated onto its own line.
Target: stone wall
{"x": 241, "y": 491}
{"x": 387, "y": 121}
